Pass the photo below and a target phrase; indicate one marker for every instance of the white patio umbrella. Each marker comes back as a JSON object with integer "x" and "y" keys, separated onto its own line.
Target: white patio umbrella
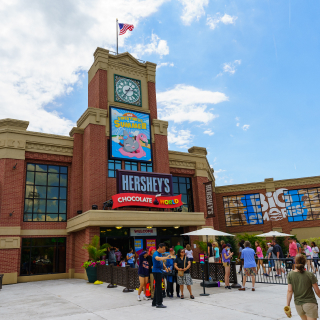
{"x": 274, "y": 234}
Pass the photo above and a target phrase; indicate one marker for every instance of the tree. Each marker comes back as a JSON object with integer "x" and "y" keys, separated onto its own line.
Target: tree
{"x": 94, "y": 249}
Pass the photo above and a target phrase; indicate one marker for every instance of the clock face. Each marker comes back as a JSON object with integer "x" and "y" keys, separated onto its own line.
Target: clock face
{"x": 127, "y": 90}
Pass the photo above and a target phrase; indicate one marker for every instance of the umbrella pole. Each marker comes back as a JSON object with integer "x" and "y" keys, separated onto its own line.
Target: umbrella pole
{"x": 208, "y": 259}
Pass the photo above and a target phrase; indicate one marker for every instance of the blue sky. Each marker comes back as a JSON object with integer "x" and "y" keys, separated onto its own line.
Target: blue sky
{"x": 249, "y": 68}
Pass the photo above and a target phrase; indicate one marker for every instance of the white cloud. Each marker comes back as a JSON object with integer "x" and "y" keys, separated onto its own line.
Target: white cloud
{"x": 231, "y": 67}
{"x": 237, "y": 118}
{"x": 165, "y": 64}
{"x": 209, "y": 132}
{"x": 238, "y": 124}
{"x": 193, "y": 10}
{"x": 213, "y": 22}
{"x": 181, "y": 138}
{"x": 46, "y": 46}
{"x": 218, "y": 174}
{"x": 156, "y": 46}
{"x": 245, "y": 127}
{"x": 188, "y": 103}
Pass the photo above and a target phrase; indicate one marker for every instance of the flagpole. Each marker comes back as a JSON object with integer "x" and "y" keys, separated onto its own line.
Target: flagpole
{"x": 117, "y": 33}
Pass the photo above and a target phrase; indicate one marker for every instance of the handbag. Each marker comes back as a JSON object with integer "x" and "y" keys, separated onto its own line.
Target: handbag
{"x": 181, "y": 272}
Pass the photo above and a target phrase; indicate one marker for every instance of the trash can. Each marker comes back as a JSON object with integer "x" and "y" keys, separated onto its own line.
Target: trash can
{"x": 1, "y": 277}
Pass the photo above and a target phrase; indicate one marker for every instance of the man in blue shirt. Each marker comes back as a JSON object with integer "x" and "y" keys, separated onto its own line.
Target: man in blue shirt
{"x": 157, "y": 261}
{"x": 249, "y": 265}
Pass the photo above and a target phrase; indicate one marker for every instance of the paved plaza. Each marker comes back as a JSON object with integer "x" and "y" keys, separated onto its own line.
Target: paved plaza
{"x": 75, "y": 299}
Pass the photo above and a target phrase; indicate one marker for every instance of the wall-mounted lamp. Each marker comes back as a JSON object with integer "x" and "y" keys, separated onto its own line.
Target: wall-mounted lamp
{"x": 79, "y": 211}
{"x": 15, "y": 167}
{"x": 94, "y": 207}
{"x": 149, "y": 227}
{"x": 10, "y": 214}
{"x": 118, "y": 227}
{"x": 176, "y": 227}
{"x": 107, "y": 204}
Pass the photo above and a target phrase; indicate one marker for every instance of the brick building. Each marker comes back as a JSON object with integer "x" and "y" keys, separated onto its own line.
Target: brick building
{"x": 53, "y": 188}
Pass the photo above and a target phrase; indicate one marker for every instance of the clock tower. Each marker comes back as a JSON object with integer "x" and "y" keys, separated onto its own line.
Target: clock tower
{"x": 121, "y": 107}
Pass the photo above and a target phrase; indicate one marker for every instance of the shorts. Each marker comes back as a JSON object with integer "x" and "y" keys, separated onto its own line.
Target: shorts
{"x": 185, "y": 279}
{"x": 216, "y": 260}
{"x": 308, "y": 309}
{"x": 277, "y": 264}
{"x": 271, "y": 263}
{"x": 250, "y": 272}
{"x": 142, "y": 275}
{"x": 226, "y": 264}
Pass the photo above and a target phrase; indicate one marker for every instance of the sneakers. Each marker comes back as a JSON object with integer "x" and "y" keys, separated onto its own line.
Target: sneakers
{"x": 277, "y": 275}
{"x": 145, "y": 298}
{"x": 139, "y": 299}
{"x": 242, "y": 289}
{"x": 160, "y": 306}
{"x": 266, "y": 275}
{"x": 227, "y": 287}
{"x": 253, "y": 289}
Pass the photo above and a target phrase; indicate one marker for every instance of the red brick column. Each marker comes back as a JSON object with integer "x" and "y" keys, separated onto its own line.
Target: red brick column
{"x": 9, "y": 261}
{"x": 76, "y": 191}
{"x": 12, "y": 190}
{"x": 98, "y": 90}
{"x": 95, "y": 163}
{"x": 199, "y": 194}
{"x": 160, "y": 154}
{"x": 152, "y": 100}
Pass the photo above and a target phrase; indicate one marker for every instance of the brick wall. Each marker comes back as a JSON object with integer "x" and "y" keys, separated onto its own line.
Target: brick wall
{"x": 98, "y": 90}
{"x": 76, "y": 191}
{"x": 152, "y": 100}
{"x": 9, "y": 260}
{"x": 160, "y": 154}
{"x": 95, "y": 163}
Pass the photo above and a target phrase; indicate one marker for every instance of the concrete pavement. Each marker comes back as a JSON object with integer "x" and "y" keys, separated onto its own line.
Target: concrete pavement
{"x": 75, "y": 299}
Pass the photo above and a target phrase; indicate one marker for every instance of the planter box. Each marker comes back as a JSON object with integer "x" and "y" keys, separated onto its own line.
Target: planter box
{"x": 92, "y": 274}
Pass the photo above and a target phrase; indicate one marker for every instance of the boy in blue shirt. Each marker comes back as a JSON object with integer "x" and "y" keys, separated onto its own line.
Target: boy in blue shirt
{"x": 157, "y": 261}
{"x": 249, "y": 265}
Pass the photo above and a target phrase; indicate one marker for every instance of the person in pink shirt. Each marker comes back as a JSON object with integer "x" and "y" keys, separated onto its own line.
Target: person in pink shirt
{"x": 309, "y": 256}
{"x": 293, "y": 250}
{"x": 259, "y": 254}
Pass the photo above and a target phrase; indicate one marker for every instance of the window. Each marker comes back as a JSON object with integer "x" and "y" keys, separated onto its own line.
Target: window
{"x": 113, "y": 165}
{"x": 242, "y": 210}
{"x": 131, "y": 165}
{"x": 302, "y": 204}
{"x": 146, "y": 167}
{"x": 43, "y": 255}
{"x": 182, "y": 185}
{"x": 46, "y": 193}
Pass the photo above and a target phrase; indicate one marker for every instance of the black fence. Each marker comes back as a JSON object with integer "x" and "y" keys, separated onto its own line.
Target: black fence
{"x": 275, "y": 271}
{"x": 128, "y": 277}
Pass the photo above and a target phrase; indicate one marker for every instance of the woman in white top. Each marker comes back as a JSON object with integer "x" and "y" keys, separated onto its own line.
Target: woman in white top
{"x": 189, "y": 252}
{"x": 315, "y": 251}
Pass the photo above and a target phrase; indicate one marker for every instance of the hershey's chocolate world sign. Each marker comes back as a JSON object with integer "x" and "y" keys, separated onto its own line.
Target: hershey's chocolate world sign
{"x": 144, "y": 182}
{"x": 209, "y": 199}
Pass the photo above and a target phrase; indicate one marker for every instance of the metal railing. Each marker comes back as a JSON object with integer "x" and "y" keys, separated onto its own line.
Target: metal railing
{"x": 275, "y": 271}
{"x": 128, "y": 277}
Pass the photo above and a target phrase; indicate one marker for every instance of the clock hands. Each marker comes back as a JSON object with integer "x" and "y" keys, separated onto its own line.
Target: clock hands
{"x": 127, "y": 91}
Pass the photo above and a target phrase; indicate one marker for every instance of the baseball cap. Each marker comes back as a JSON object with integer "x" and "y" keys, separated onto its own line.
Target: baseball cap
{"x": 228, "y": 245}
{"x": 269, "y": 243}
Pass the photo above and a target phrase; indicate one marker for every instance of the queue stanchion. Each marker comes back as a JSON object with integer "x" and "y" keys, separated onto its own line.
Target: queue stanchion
{"x": 202, "y": 264}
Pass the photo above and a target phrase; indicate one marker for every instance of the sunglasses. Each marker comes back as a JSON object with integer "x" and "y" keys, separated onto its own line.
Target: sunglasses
{"x": 182, "y": 251}
{"x": 126, "y": 137}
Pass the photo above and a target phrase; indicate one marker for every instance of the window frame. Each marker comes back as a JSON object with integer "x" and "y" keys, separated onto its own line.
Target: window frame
{"x": 190, "y": 202}
{"x": 115, "y": 162}
{"x": 60, "y": 187}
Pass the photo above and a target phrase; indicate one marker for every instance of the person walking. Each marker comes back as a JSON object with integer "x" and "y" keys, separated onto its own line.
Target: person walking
{"x": 309, "y": 255}
{"x": 183, "y": 265}
{"x": 178, "y": 247}
{"x": 130, "y": 256}
{"x": 259, "y": 254}
{"x": 315, "y": 251}
{"x": 189, "y": 252}
{"x": 277, "y": 250}
{"x": 118, "y": 254}
{"x": 241, "y": 247}
{"x": 226, "y": 260}
{"x": 157, "y": 261}
{"x": 303, "y": 284}
{"x": 215, "y": 248}
{"x": 249, "y": 265}
{"x": 151, "y": 282}
{"x": 298, "y": 245}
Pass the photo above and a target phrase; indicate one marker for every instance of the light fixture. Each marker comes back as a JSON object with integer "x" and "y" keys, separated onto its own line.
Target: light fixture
{"x": 118, "y": 227}
{"x": 164, "y": 229}
{"x": 94, "y": 207}
{"x": 79, "y": 211}
{"x": 149, "y": 227}
{"x": 109, "y": 230}
{"x": 15, "y": 167}
{"x": 176, "y": 227}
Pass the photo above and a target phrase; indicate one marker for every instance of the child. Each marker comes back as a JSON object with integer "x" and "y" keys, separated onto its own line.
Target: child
{"x": 122, "y": 262}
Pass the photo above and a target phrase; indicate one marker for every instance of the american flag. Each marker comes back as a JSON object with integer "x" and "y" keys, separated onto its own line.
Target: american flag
{"x": 124, "y": 27}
